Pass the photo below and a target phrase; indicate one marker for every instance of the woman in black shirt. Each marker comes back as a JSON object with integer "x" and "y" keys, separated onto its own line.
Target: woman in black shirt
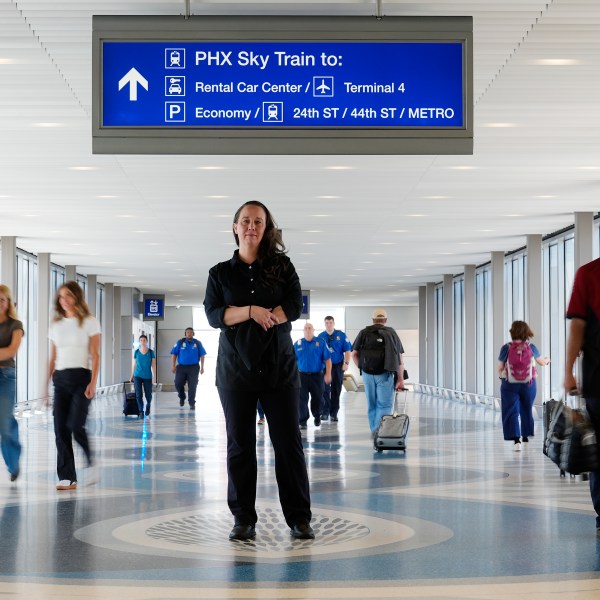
{"x": 252, "y": 298}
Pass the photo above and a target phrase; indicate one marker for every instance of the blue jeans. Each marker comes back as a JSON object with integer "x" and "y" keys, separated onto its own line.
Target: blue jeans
{"x": 9, "y": 430}
{"x": 140, "y": 384}
{"x": 593, "y": 408}
{"x": 517, "y": 401}
{"x": 380, "y": 396}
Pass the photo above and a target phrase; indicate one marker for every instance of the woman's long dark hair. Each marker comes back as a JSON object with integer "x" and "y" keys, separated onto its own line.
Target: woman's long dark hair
{"x": 271, "y": 249}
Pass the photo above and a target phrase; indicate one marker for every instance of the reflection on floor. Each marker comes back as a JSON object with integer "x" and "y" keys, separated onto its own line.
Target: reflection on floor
{"x": 458, "y": 516}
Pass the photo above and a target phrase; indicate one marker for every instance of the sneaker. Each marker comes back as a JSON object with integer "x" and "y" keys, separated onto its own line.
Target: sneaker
{"x": 517, "y": 447}
{"x": 141, "y": 415}
{"x": 14, "y": 476}
{"x": 192, "y": 406}
{"x": 334, "y": 419}
{"x": 261, "y": 421}
{"x": 66, "y": 484}
{"x": 181, "y": 402}
{"x": 147, "y": 411}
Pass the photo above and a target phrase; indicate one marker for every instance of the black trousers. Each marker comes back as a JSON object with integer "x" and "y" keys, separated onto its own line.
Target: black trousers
{"x": 311, "y": 383}
{"x": 281, "y": 409}
{"x": 70, "y": 414}
{"x": 330, "y": 405}
{"x": 189, "y": 374}
{"x": 593, "y": 408}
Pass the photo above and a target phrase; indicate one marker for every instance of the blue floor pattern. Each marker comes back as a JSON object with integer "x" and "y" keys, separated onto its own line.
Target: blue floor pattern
{"x": 459, "y": 515}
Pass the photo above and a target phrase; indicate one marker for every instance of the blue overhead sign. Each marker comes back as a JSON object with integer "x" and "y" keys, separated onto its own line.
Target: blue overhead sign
{"x": 154, "y": 308}
{"x": 283, "y": 84}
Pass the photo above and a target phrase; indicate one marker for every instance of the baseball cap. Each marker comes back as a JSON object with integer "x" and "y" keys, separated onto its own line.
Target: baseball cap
{"x": 379, "y": 313}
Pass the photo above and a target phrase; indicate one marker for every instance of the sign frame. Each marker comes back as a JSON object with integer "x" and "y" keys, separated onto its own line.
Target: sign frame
{"x": 151, "y": 297}
{"x": 289, "y": 140}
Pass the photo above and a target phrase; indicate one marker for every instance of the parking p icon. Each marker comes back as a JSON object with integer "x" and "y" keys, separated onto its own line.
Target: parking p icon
{"x": 174, "y": 112}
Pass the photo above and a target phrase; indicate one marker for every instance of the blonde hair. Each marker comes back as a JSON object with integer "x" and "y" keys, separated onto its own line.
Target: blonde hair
{"x": 81, "y": 309}
{"x": 12, "y": 312}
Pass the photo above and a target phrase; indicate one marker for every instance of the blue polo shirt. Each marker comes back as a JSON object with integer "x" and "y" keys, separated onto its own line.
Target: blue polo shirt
{"x": 311, "y": 355}
{"x": 188, "y": 353}
{"x": 338, "y": 343}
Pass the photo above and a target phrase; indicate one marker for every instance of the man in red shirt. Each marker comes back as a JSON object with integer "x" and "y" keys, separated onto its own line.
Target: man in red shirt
{"x": 584, "y": 336}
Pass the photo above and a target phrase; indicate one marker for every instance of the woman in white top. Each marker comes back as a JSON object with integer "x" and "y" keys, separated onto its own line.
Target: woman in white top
{"x": 74, "y": 367}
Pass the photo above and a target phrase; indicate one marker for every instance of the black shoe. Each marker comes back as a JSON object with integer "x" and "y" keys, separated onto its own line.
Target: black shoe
{"x": 141, "y": 415}
{"x": 324, "y": 418}
{"x": 317, "y": 421}
{"x": 334, "y": 419}
{"x": 181, "y": 402}
{"x": 192, "y": 406}
{"x": 147, "y": 411}
{"x": 242, "y": 532}
{"x": 14, "y": 476}
{"x": 302, "y": 425}
{"x": 303, "y": 531}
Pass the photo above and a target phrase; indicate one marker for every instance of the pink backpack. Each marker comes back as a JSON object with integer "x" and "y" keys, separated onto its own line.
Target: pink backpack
{"x": 519, "y": 363}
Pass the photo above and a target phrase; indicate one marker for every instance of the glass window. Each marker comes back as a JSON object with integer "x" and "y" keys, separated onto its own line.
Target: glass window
{"x": 459, "y": 333}
{"x": 484, "y": 331}
{"x": 439, "y": 335}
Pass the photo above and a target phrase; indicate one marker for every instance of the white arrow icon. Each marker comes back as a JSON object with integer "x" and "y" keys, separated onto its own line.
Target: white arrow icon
{"x": 133, "y": 77}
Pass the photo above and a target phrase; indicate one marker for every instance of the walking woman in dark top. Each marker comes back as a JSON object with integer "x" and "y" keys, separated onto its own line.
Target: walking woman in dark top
{"x": 252, "y": 298}
{"x": 11, "y": 334}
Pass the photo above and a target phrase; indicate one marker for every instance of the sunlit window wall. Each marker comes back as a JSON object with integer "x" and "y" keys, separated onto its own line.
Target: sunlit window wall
{"x": 439, "y": 334}
{"x": 458, "y": 331}
{"x": 484, "y": 330}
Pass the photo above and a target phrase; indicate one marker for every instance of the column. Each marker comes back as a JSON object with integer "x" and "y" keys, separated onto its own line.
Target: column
{"x": 8, "y": 263}
{"x": 584, "y": 238}
{"x": 70, "y": 273}
{"x": 533, "y": 287}
{"x": 43, "y": 322}
{"x": 498, "y": 328}
{"x": 422, "y": 334}
{"x": 117, "y": 375}
{"x": 92, "y": 282}
{"x": 108, "y": 335}
{"x": 448, "y": 309}
{"x": 430, "y": 293}
{"x": 470, "y": 347}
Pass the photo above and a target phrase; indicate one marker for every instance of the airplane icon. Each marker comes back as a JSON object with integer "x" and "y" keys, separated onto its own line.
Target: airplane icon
{"x": 323, "y": 87}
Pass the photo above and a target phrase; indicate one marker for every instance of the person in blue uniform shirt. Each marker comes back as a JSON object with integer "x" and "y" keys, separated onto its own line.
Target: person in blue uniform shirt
{"x": 311, "y": 354}
{"x": 340, "y": 347}
{"x": 188, "y": 364}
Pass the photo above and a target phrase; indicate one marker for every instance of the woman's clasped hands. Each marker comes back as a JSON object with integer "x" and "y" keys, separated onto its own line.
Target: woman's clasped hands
{"x": 264, "y": 317}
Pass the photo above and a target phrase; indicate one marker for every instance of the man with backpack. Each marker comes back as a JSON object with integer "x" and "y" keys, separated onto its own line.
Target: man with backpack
{"x": 188, "y": 364}
{"x": 377, "y": 351}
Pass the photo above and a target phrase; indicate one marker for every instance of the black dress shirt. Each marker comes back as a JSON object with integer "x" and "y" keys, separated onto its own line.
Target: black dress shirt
{"x": 250, "y": 358}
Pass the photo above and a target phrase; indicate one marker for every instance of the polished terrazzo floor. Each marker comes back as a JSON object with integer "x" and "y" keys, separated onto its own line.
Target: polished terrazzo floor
{"x": 458, "y": 516}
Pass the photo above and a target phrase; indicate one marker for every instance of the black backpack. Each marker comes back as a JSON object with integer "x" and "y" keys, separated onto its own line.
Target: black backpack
{"x": 372, "y": 352}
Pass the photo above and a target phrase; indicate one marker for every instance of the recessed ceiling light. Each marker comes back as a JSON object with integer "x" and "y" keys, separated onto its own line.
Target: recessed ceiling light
{"x": 591, "y": 168}
{"x": 211, "y": 168}
{"x": 313, "y": 231}
{"x": 416, "y": 216}
{"x": 321, "y": 216}
{"x": 399, "y": 230}
{"x": 141, "y": 231}
{"x": 48, "y": 125}
{"x": 7, "y": 61}
{"x": 487, "y": 230}
{"x": 556, "y": 62}
{"x": 311, "y": 244}
{"x": 31, "y": 216}
{"x": 107, "y": 196}
{"x": 544, "y": 197}
{"x": 375, "y": 253}
{"x": 366, "y": 262}
{"x": 339, "y": 168}
{"x": 305, "y": 253}
{"x": 126, "y": 216}
{"x": 328, "y": 197}
{"x": 217, "y": 197}
{"x": 436, "y": 197}
{"x": 465, "y": 243}
{"x": 108, "y": 262}
{"x": 463, "y": 167}
{"x": 222, "y": 216}
{"x": 499, "y": 125}
{"x": 4, "y": 196}
{"x": 154, "y": 244}
{"x": 173, "y": 262}
{"x": 388, "y": 243}
{"x": 515, "y": 215}
{"x": 76, "y": 244}
{"x": 82, "y": 168}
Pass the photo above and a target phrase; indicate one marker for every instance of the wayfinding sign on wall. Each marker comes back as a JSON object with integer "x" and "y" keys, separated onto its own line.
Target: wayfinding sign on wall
{"x": 274, "y": 85}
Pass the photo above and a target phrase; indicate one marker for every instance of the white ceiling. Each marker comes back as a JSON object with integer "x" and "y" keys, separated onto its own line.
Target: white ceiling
{"x": 368, "y": 234}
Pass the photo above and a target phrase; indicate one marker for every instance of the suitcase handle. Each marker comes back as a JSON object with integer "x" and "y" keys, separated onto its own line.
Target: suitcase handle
{"x": 395, "y": 411}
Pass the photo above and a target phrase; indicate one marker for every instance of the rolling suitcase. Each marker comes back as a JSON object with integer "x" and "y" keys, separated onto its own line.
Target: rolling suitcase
{"x": 130, "y": 405}
{"x": 392, "y": 430}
